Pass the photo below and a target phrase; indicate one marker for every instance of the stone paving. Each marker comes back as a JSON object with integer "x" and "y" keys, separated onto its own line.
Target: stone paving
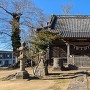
{"x": 79, "y": 83}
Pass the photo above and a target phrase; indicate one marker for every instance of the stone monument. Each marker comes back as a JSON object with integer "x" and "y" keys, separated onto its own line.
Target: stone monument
{"x": 42, "y": 69}
{"x": 22, "y": 73}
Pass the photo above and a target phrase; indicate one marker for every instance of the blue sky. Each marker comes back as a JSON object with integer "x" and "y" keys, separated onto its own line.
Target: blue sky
{"x": 54, "y": 6}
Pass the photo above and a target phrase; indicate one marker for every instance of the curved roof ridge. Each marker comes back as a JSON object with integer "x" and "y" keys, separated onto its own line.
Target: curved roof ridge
{"x": 71, "y": 15}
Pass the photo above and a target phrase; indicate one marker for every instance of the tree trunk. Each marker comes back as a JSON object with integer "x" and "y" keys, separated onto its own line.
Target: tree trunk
{"x": 15, "y": 33}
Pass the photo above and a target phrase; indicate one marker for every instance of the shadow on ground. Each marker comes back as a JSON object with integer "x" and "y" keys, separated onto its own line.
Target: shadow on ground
{"x": 56, "y": 76}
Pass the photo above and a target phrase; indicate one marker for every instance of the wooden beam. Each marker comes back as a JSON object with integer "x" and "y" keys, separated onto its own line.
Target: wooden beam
{"x": 79, "y": 43}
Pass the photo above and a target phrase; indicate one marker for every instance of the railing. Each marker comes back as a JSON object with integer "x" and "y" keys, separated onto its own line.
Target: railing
{"x": 79, "y": 61}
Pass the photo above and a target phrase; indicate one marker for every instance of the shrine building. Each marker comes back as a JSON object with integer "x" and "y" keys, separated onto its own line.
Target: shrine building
{"x": 73, "y": 46}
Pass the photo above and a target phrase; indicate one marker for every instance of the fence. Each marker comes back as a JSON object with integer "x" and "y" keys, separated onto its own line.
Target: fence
{"x": 80, "y": 61}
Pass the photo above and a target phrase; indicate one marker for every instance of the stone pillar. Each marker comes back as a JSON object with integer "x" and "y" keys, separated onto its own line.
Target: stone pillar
{"x": 22, "y": 65}
{"x": 56, "y": 64}
{"x": 68, "y": 52}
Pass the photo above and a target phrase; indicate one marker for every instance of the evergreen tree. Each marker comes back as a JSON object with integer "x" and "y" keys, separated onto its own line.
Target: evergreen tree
{"x": 41, "y": 41}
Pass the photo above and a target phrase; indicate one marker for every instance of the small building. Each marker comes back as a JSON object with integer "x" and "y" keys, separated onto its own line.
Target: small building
{"x": 73, "y": 46}
{"x": 6, "y": 58}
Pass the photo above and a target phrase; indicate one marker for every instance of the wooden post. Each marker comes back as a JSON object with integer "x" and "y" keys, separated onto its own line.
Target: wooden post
{"x": 68, "y": 52}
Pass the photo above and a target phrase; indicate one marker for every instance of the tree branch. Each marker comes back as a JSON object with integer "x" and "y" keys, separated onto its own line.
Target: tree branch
{"x": 5, "y": 33}
{"x": 6, "y": 10}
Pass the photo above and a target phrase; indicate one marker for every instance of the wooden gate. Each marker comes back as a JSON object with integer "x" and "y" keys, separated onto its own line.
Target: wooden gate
{"x": 79, "y": 61}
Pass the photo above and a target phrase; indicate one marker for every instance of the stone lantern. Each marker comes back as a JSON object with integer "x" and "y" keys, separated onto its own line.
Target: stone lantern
{"x": 22, "y": 73}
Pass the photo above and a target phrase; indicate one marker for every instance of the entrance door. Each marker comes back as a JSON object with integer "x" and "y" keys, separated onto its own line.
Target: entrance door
{"x": 6, "y": 63}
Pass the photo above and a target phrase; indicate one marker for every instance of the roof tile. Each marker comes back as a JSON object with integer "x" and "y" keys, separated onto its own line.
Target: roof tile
{"x": 73, "y": 26}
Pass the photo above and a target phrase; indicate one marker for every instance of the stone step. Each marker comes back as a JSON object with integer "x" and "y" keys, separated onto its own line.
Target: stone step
{"x": 79, "y": 83}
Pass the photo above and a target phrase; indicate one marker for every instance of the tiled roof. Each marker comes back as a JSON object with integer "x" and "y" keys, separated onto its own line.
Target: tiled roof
{"x": 71, "y": 26}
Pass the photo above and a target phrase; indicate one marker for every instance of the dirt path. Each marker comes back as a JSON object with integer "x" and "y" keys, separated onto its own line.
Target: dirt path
{"x": 54, "y": 84}
{"x": 26, "y": 85}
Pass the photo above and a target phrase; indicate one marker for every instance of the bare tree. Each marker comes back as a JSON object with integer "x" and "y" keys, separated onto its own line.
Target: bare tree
{"x": 19, "y": 16}
{"x": 67, "y": 8}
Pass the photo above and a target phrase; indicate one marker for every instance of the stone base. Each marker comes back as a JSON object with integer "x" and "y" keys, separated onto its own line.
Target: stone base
{"x": 41, "y": 71}
{"x": 56, "y": 68}
{"x": 22, "y": 75}
{"x": 56, "y": 64}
